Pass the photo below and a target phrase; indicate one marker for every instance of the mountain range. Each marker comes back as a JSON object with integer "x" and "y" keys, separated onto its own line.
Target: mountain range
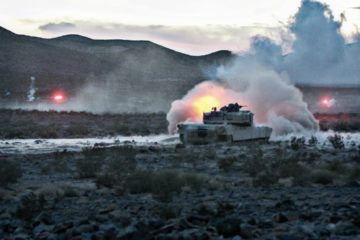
{"x": 72, "y": 62}
{"x": 115, "y": 75}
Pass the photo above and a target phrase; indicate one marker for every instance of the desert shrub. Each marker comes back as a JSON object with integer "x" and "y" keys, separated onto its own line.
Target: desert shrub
{"x": 48, "y": 132}
{"x": 253, "y": 166}
{"x": 140, "y": 182}
{"x": 166, "y": 181}
{"x": 143, "y": 130}
{"x": 77, "y": 130}
{"x": 186, "y": 156}
{"x": 290, "y": 168}
{"x": 302, "y": 179}
{"x": 28, "y": 205}
{"x": 121, "y": 165}
{"x": 226, "y": 163}
{"x": 313, "y": 156}
{"x": 313, "y": 141}
{"x": 59, "y": 164}
{"x": 336, "y": 141}
{"x": 356, "y": 157}
{"x": 10, "y": 172}
{"x": 122, "y": 159}
{"x": 209, "y": 154}
{"x": 280, "y": 153}
{"x": 254, "y": 162}
{"x": 353, "y": 174}
{"x": 337, "y": 166}
{"x": 122, "y": 162}
{"x": 322, "y": 176}
{"x": 90, "y": 164}
{"x": 69, "y": 190}
{"x": 297, "y": 143}
{"x": 224, "y": 208}
{"x": 195, "y": 181}
{"x": 105, "y": 180}
{"x": 11, "y": 134}
{"x": 121, "y": 129}
{"x": 169, "y": 212}
{"x": 264, "y": 179}
{"x": 162, "y": 182}
{"x": 88, "y": 167}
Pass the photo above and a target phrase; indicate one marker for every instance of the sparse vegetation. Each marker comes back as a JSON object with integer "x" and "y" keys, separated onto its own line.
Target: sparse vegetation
{"x": 293, "y": 168}
{"x": 10, "y": 172}
{"x": 353, "y": 174}
{"x": 255, "y": 163}
{"x": 121, "y": 164}
{"x": 162, "y": 182}
{"x": 58, "y": 165}
{"x": 313, "y": 141}
{"x": 77, "y": 130}
{"x": 169, "y": 212}
{"x": 105, "y": 180}
{"x": 322, "y": 176}
{"x": 91, "y": 162}
{"x": 297, "y": 143}
{"x": 36, "y": 124}
{"x": 226, "y": 164}
{"x": 264, "y": 179}
{"x": 337, "y": 141}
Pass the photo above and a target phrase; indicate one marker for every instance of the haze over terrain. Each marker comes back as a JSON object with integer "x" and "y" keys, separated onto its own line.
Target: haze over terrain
{"x": 264, "y": 78}
{"x": 100, "y": 72}
{"x": 121, "y": 75}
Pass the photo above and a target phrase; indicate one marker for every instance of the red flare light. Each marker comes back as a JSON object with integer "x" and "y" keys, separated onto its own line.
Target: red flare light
{"x": 327, "y": 102}
{"x": 58, "y": 97}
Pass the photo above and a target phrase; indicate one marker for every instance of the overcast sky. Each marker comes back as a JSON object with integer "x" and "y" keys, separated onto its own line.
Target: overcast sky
{"x": 190, "y": 26}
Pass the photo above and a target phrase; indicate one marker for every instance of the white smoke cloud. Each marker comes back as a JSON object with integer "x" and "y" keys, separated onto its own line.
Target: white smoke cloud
{"x": 319, "y": 54}
{"x": 270, "y": 96}
{"x": 264, "y": 77}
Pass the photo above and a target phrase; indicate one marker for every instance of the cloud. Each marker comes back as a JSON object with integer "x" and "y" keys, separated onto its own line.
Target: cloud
{"x": 190, "y": 39}
{"x": 57, "y": 27}
{"x": 319, "y": 54}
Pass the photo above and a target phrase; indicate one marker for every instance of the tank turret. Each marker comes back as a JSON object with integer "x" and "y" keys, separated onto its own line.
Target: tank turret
{"x": 229, "y": 124}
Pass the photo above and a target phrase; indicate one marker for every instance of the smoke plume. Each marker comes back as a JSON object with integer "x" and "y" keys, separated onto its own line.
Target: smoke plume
{"x": 270, "y": 96}
{"x": 32, "y": 90}
{"x": 319, "y": 53}
{"x": 264, "y": 78}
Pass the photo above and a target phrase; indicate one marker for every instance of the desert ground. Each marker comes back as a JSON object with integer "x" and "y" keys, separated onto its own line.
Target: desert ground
{"x": 23, "y": 124}
{"x": 295, "y": 188}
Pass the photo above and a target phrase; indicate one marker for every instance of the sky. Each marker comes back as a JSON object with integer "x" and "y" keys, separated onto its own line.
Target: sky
{"x": 191, "y": 26}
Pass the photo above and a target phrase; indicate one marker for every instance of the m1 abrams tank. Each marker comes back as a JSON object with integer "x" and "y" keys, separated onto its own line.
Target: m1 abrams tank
{"x": 230, "y": 124}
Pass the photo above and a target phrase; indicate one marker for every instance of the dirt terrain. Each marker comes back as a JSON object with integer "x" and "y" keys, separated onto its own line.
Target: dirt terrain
{"x": 291, "y": 188}
{"x": 339, "y": 122}
{"x": 279, "y": 190}
{"x": 21, "y": 124}
{"x": 52, "y": 124}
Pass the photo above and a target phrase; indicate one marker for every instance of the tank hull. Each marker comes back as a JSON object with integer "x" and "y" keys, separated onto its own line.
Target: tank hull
{"x": 211, "y": 133}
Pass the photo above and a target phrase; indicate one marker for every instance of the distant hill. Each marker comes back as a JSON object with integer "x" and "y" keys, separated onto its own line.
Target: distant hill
{"x": 139, "y": 70}
{"x": 119, "y": 75}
